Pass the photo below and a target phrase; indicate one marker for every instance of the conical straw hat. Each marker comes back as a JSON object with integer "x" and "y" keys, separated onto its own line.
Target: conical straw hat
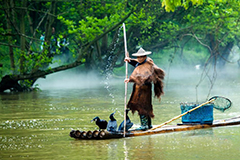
{"x": 141, "y": 52}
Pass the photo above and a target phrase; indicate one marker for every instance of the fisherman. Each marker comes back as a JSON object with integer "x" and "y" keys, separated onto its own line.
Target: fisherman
{"x": 144, "y": 74}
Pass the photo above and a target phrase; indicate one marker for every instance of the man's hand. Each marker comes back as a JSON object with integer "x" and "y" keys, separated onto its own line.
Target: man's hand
{"x": 126, "y": 80}
{"x": 127, "y": 59}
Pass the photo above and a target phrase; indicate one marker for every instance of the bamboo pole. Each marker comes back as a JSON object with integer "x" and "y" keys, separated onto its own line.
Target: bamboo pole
{"x": 125, "y": 100}
{"x": 173, "y": 119}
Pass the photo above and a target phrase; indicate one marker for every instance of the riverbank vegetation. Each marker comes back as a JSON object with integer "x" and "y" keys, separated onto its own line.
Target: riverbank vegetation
{"x": 40, "y": 37}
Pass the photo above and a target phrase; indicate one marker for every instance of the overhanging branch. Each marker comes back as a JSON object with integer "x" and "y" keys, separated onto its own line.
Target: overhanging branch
{"x": 5, "y": 44}
{"x": 41, "y": 73}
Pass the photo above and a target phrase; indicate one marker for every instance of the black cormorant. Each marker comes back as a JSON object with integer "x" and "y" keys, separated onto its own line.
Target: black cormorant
{"x": 101, "y": 123}
{"x": 112, "y": 123}
{"x": 129, "y": 124}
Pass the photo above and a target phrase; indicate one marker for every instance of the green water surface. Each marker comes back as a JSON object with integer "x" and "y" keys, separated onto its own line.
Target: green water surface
{"x": 36, "y": 125}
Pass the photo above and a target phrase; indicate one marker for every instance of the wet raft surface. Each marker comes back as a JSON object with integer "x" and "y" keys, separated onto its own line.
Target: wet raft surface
{"x": 90, "y": 135}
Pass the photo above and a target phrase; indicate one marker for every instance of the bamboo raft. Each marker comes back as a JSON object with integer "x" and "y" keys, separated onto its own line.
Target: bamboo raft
{"x": 90, "y": 135}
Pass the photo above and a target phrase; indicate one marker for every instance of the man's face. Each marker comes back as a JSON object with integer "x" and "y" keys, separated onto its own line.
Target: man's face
{"x": 141, "y": 58}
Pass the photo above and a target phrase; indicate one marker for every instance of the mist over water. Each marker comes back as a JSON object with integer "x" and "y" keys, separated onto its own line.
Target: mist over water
{"x": 70, "y": 80}
{"x": 189, "y": 79}
{"x": 182, "y": 80}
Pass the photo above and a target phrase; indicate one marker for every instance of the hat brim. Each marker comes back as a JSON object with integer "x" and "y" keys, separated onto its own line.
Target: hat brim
{"x": 141, "y": 54}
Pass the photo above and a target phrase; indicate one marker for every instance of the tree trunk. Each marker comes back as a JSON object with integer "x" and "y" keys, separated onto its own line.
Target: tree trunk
{"x": 8, "y": 83}
{"x": 185, "y": 41}
{"x": 48, "y": 26}
{"x": 48, "y": 32}
{"x": 219, "y": 54}
{"x": 224, "y": 54}
{"x": 22, "y": 38}
{"x": 99, "y": 53}
{"x": 9, "y": 5}
{"x": 104, "y": 46}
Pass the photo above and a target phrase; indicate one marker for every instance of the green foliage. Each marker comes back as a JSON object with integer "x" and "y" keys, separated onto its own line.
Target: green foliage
{"x": 161, "y": 27}
{"x": 4, "y": 60}
{"x": 166, "y": 30}
{"x": 217, "y": 18}
{"x": 171, "y": 5}
{"x": 98, "y": 18}
{"x": 26, "y": 83}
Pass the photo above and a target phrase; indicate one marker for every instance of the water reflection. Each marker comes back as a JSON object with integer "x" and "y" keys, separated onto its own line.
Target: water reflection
{"x": 201, "y": 132}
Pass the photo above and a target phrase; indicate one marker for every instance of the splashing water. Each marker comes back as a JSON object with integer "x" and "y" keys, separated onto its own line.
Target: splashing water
{"x": 109, "y": 67}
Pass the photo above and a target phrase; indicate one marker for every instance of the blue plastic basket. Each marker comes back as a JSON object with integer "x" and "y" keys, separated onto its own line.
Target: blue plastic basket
{"x": 202, "y": 115}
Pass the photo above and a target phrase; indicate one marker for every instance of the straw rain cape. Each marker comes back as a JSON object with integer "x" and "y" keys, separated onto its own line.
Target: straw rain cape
{"x": 143, "y": 76}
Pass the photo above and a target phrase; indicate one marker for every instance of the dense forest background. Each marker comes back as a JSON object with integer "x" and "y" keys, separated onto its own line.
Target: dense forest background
{"x": 41, "y": 37}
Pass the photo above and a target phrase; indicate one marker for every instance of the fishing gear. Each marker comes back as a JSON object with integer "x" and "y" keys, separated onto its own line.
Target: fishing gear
{"x": 219, "y": 102}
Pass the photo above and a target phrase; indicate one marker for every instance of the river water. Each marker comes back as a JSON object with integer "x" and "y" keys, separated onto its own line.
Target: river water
{"x": 36, "y": 125}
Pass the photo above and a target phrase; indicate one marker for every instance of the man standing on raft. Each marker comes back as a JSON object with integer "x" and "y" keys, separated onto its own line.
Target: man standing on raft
{"x": 144, "y": 74}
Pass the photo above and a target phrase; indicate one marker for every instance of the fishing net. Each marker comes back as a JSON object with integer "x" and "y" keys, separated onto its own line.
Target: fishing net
{"x": 221, "y": 103}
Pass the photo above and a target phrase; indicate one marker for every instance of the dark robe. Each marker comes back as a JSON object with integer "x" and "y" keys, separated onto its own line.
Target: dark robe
{"x": 143, "y": 76}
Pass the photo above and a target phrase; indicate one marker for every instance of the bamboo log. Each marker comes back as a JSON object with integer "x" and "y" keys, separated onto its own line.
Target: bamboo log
{"x": 77, "y": 134}
{"x": 89, "y": 134}
{"x": 95, "y": 134}
{"x": 108, "y": 135}
{"x": 101, "y": 134}
{"x": 83, "y": 134}
{"x": 72, "y": 134}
